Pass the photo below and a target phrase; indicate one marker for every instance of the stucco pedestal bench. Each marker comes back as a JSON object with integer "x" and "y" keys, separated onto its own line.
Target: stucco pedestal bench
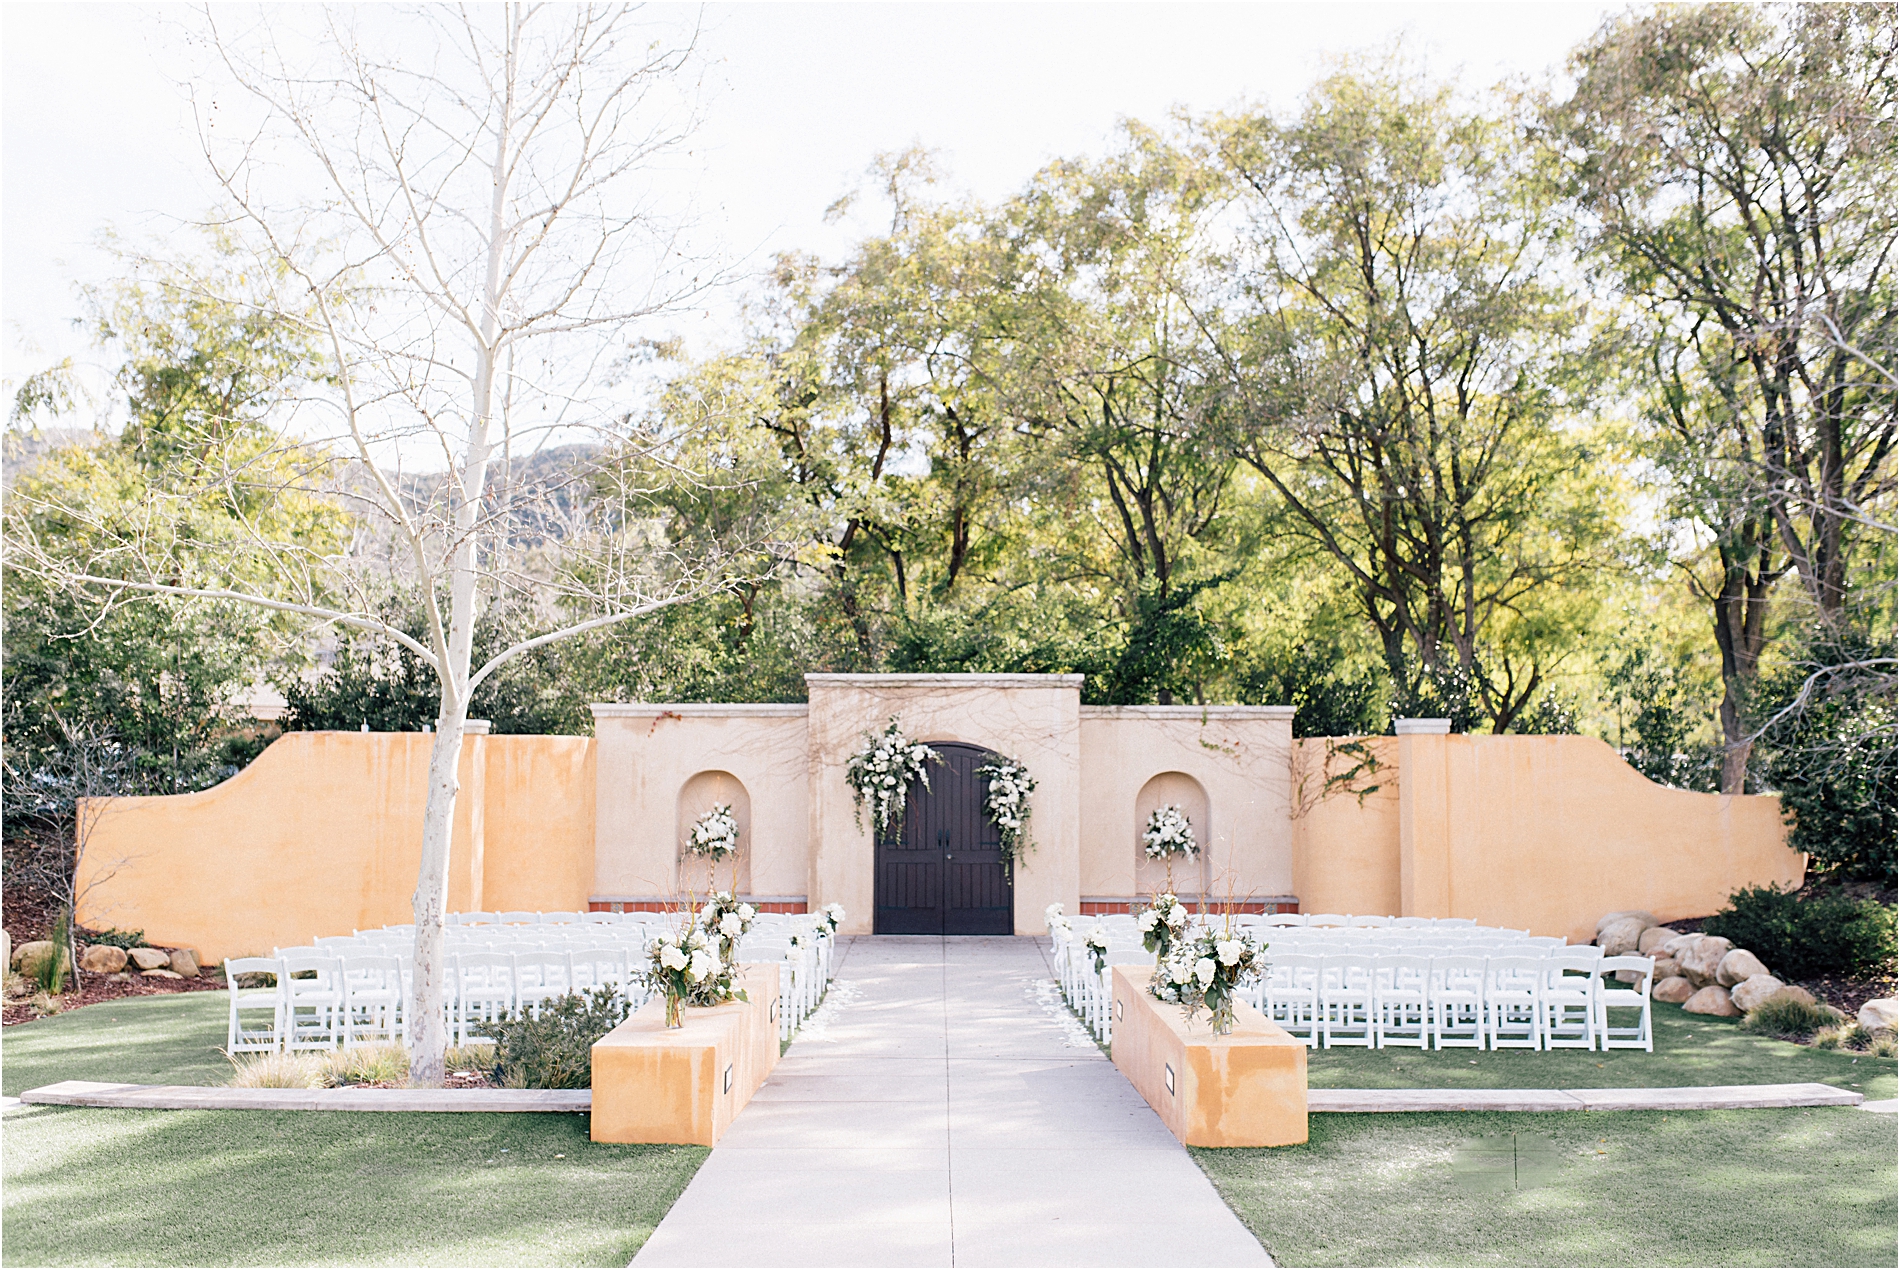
{"x": 685, "y": 1085}
{"x": 1245, "y": 1089}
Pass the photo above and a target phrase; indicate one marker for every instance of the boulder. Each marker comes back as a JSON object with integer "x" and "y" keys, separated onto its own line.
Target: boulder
{"x": 1671, "y": 947}
{"x": 1618, "y": 939}
{"x": 1675, "y": 990}
{"x": 1713, "y": 999}
{"x": 1792, "y": 993}
{"x": 1879, "y": 1013}
{"x": 1667, "y": 968}
{"x": 1754, "y": 990}
{"x": 30, "y": 956}
{"x": 160, "y": 974}
{"x": 1654, "y": 938}
{"x": 102, "y": 959}
{"x": 1737, "y": 966}
{"x": 1648, "y": 919}
{"x": 185, "y": 962}
{"x": 150, "y": 958}
{"x": 1700, "y": 958}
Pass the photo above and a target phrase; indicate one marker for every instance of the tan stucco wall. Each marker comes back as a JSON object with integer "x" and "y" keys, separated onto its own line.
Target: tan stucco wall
{"x": 1545, "y": 833}
{"x": 1345, "y": 847}
{"x": 322, "y": 835}
{"x": 1238, "y": 755}
{"x": 1031, "y": 718}
{"x": 647, "y": 753}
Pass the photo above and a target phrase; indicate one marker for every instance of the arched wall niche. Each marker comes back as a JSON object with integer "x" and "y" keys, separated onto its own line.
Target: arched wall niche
{"x": 1182, "y": 790}
{"x": 699, "y": 795}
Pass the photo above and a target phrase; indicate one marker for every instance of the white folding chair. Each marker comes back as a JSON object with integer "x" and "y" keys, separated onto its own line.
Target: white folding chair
{"x": 1368, "y": 923}
{"x": 484, "y": 990}
{"x": 1402, "y": 1000}
{"x": 243, "y": 1038}
{"x": 1457, "y": 1001}
{"x": 598, "y": 967}
{"x": 1346, "y": 996}
{"x": 1568, "y": 999}
{"x": 562, "y": 919}
{"x": 1328, "y": 919}
{"x": 541, "y": 974}
{"x": 372, "y": 998}
{"x": 1512, "y": 1003}
{"x": 518, "y": 918}
{"x": 1289, "y": 995}
{"x": 312, "y": 984}
{"x": 1635, "y": 998}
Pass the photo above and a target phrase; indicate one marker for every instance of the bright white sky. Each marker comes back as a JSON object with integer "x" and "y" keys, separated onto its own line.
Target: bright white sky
{"x": 94, "y": 132}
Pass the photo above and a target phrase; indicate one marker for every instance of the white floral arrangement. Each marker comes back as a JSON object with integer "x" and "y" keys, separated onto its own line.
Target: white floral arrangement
{"x": 1095, "y": 943}
{"x": 725, "y": 921}
{"x": 715, "y": 835}
{"x": 686, "y": 968}
{"x": 1007, "y": 805}
{"x": 1161, "y": 924}
{"x": 1206, "y": 970}
{"x": 1169, "y": 834}
{"x": 881, "y": 771}
{"x": 832, "y": 917}
{"x": 1054, "y": 914}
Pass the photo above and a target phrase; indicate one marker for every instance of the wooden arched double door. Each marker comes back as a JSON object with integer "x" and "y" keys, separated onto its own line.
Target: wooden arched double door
{"x": 942, "y": 871}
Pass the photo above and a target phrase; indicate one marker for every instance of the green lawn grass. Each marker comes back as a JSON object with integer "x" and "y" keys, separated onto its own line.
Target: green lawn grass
{"x": 88, "y": 1186}
{"x": 1798, "y": 1187}
{"x": 1691, "y": 1049}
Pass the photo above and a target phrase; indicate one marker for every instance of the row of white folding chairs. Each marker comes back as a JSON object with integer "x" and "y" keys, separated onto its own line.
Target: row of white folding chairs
{"x": 323, "y": 1000}
{"x": 1545, "y": 1000}
{"x": 1349, "y": 920}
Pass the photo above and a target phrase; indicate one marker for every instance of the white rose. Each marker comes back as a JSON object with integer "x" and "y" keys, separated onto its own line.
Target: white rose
{"x": 695, "y": 940}
{"x": 1229, "y": 950}
{"x": 1177, "y": 916}
{"x": 730, "y": 926}
{"x": 706, "y": 914}
{"x": 704, "y": 966}
{"x": 1148, "y": 920}
{"x": 1204, "y": 970}
{"x": 672, "y": 958}
{"x": 747, "y": 912}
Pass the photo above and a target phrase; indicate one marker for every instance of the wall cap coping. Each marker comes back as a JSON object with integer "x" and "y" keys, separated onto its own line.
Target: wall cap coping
{"x": 947, "y": 681}
{"x": 476, "y": 727}
{"x": 1421, "y": 727}
{"x": 699, "y": 709}
{"x": 1275, "y": 713}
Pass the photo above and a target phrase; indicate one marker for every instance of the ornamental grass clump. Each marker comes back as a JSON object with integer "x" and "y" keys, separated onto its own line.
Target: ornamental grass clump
{"x": 552, "y": 1046}
{"x": 880, "y": 774}
{"x": 1787, "y": 1015}
{"x": 1205, "y": 970}
{"x": 1006, "y": 802}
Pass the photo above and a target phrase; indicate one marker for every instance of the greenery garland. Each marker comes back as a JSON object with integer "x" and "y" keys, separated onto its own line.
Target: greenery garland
{"x": 881, "y": 771}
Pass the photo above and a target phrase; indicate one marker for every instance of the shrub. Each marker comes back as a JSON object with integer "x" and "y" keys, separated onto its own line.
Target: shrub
{"x": 127, "y": 939}
{"x": 1790, "y": 1016}
{"x": 1801, "y": 938}
{"x": 552, "y": 1047}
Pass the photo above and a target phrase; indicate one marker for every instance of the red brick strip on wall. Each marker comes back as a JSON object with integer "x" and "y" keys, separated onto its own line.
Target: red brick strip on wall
{"x": 765, "y": 904}
{"x": 1101, "y": 906}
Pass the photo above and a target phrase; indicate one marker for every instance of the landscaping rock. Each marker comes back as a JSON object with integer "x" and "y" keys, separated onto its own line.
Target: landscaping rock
{"x": 1667, "y": 968}
{"x": 1737, "y": 966}
{"x": 1675, "y": 990}
{"x": 1648, "y": 919}
{"x": 150, "y": 958}
{"x": 1713, "y": 999}
{"x": 185, "y": 962}
{"x": 1653, "y": 939}
{"x": 124, "y": 976}
{"x": 1792, "y": 993}
{"x": 1879, "y": 1013}
{"x": 1754, "y": 990}
{"x": 1700, "y": 957}
{"x": 102, "y": 959}
{"x": 32, "y": 954}
{"x": 1619, "y": 938}
{"x": 160, "y": 974}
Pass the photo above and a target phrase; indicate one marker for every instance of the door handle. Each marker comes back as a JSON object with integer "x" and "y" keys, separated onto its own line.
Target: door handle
{"x": 948, "y": 856}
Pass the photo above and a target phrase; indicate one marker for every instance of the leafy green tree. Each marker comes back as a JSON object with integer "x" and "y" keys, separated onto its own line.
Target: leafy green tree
{"x": 1736, "y": 164}
{"x": 1409, "y": 377}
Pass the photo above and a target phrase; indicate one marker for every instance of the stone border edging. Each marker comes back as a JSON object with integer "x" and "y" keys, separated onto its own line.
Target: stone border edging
{"x": 1682, "y": 1098}
{"x": 89, "y": 1093}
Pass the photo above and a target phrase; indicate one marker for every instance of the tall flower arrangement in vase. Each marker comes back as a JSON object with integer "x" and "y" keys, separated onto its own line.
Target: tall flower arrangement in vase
{"x": 881, "y": 771}
{"x": 1169, "y": 836}
{"x": 1163, "y": 922}
{"x": 714, "y": 837}
{"x": 1205, "y": 970}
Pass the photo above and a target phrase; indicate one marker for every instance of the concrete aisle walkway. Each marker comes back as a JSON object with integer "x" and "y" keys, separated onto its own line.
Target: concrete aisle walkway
{"x": 943, "y": 1108}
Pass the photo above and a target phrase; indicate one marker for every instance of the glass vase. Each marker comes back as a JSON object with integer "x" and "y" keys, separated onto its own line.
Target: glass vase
{"x": 673, "y": 1003}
